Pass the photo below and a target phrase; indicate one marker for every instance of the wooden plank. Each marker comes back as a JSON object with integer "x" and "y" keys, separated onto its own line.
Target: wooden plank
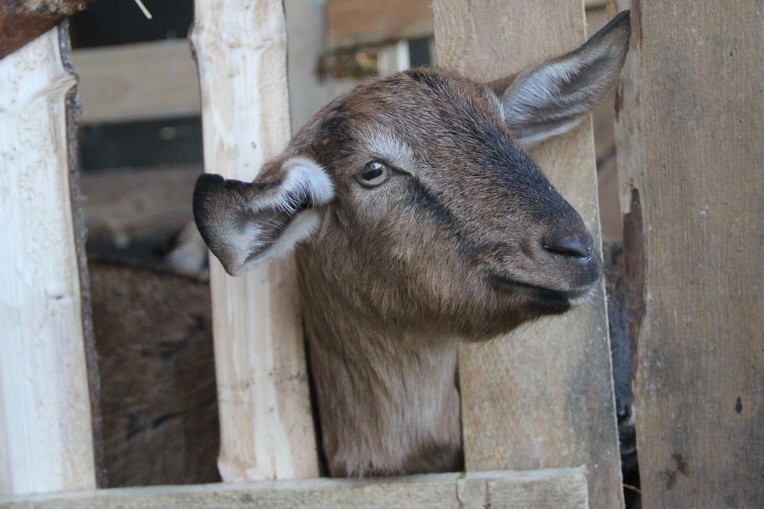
{"x": 124, "y": 203}
{"x": 542, "y": 397}
{"x": 553, "y": 489}
{"x": 265, "y": 417}
{"x": 22, "y": 21}
{"x": 46, "y": 438}
{"x": 690, "y": 150}
{"x": 351, "y": 22}
{"x": 138, "y": 81}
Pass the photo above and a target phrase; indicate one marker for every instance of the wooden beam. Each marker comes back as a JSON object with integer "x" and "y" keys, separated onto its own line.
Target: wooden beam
{"x": 138, "y": 81}
{"x": 265, "y": 417}
{"x": 46, "y": 437}
{"x": 353, "y": 22}
{"x": 554, "y": 488}
{"x": 542, "y": 397}
{"x": 22, "y": 21}
{"x": 350, "y": 22}
{"x": 689, "y": 132}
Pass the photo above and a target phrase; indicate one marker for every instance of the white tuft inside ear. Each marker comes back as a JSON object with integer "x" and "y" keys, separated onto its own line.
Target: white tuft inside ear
{"x": 543, "y": 103}
{"x": 552, "y": 98}
{"x": 534, "y": 89}
{"x": 304, "y": 180}
{"x": 305, "y": 177}
{"x": 300, "y": 228}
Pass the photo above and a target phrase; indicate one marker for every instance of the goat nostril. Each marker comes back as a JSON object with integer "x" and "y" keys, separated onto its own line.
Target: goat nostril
{"x": 574, "y": 246}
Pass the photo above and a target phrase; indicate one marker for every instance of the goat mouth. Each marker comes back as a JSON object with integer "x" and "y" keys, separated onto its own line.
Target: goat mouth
{"x": 548, "y": 300}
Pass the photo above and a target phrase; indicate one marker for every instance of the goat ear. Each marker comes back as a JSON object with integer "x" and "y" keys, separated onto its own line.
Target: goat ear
{"x": 245, "y": 224}
{"x": 554, "y": 97}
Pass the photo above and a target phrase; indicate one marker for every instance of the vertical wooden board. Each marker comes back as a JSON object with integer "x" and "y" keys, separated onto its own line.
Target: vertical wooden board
{"x": 265, "y": 417}
{"x": 543, "y": 396}
{"x": 692, "y": 117}
{"x": 46, "y": 439}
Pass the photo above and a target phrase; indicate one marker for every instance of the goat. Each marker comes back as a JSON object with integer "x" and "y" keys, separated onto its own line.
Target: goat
{"x": 418, "y": 220}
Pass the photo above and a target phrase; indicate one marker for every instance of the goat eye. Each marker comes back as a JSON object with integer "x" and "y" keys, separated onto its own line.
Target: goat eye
{"x": 373, "y": 174}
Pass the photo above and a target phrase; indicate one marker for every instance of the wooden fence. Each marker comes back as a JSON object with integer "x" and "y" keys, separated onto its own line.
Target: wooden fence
{"x": 538, "y": 412}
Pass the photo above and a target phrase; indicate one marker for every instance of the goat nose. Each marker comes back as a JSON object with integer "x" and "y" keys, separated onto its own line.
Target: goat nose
{"x": 573, "y": 246}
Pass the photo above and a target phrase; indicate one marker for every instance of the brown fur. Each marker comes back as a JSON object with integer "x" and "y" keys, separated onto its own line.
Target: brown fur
{"x": 154, "y": 341}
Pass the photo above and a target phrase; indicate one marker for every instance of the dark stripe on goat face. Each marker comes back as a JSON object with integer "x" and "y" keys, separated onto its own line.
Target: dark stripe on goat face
{"x": 426, "y": 201}
{"x": 448, "y": 223}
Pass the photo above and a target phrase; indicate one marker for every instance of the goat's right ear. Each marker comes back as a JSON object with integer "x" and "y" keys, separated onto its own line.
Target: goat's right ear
{"x": 552, "y": 98}
{"x": 245, "y": 224}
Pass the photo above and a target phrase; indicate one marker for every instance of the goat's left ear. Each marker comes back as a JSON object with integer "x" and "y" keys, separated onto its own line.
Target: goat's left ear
{"x": 554, "y": 97}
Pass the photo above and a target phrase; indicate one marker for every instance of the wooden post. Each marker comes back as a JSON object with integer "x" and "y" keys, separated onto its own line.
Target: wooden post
{"x": 46, "y": 438}
{"x": 690, "y": 152}
{"x": 265, "y": 417}
{"x": 542, "y": 397}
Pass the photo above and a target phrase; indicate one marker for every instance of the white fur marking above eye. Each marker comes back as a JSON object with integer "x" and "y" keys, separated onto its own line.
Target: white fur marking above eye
{"x": 390, "y": 148}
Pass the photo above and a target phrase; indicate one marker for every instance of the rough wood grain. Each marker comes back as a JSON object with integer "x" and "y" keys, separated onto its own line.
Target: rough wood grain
{"x": 79, "y": 224}
{"x": 690, "y": 151}
{"x": 547, "y": 489}
{"x": 46, "y": 439}
{"x": 138, "y": 81}
{"x": 23, "y": 20}
{"x": 265, "y": 417}
{"x": 542, "y": 397}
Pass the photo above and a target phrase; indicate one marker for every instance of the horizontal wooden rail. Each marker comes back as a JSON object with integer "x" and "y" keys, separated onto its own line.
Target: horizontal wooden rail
{"x": 563, "y": 488}
{"x": 137, "y": 81}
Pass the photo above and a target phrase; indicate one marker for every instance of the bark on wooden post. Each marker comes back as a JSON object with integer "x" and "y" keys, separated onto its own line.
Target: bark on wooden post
{"x": 265, "y": 417}
{"x": 46, "y": 438}
{"x": 691, "y": 147}
{"x": 543, "y": 396}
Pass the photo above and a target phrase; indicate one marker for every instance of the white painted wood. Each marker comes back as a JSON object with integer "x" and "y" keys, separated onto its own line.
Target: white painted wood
{"x": 265, "y": 417}
{"x": 46, "y": 441}
{"x": 137, "y": 81}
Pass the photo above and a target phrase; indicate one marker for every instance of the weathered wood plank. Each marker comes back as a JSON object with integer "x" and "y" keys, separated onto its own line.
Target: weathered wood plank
{"x": 690, "y": 152}
{"x": 553, "y": 489}
{"x": 542, "y": 397}
{"x": 350, "y": 22}
{"x": 124, "y": 203}
{"x": 46, "y": 438}
{"x": 265, "y": 418}
{"x": 138, "y": 81}
{"x": 23, "y": 20}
